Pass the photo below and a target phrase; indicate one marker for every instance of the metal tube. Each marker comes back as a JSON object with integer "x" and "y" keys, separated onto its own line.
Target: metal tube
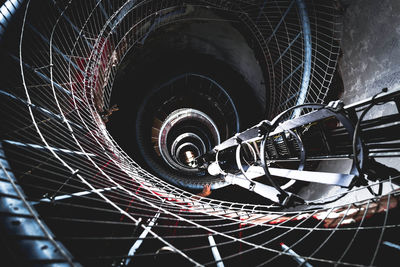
{"x": 215, "y": 251}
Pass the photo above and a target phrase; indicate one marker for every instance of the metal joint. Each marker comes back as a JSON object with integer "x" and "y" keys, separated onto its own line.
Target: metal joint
{"x": 263, "y": 128}
{"x": 335, "y": 106}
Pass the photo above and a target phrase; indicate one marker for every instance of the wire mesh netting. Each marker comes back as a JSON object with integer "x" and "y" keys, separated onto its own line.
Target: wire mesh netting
{"x": 71, "y": 195}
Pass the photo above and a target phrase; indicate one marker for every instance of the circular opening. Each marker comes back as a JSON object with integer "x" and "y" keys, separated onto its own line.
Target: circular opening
{"x": 185, "y": 91}
{"x": 185, "y": 132}
{"x": 181, "y": 120}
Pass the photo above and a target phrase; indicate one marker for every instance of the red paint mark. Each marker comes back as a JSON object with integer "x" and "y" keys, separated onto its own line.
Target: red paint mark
{"x": 240, "y": 237}
{"x": 102, "y": 168}
{"x": 176, "y": 223}
{"x": 130, "y": 203}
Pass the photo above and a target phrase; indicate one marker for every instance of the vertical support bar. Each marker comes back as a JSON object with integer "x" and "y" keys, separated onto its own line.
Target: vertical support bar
{"x": 307, "y": 55}
{"x": 215, "y": 251}
{"x": 139, "y": 241}
{"x": 295, "y": 256}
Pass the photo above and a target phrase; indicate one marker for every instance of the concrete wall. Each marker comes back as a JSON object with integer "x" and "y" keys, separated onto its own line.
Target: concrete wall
{"x": 370, "y": 61}
{"x": 371, "y": 47}
{"x": 371, "y": 53}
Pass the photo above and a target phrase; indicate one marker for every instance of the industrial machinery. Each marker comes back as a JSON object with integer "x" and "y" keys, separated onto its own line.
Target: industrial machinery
{"x": 328, "y": 132}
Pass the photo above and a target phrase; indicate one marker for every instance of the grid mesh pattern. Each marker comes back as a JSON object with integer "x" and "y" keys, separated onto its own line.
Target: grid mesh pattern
{"x": 107, "y": 210}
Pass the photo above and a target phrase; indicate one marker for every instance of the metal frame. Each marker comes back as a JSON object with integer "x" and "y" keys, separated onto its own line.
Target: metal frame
{"x": 266, "y": 132}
